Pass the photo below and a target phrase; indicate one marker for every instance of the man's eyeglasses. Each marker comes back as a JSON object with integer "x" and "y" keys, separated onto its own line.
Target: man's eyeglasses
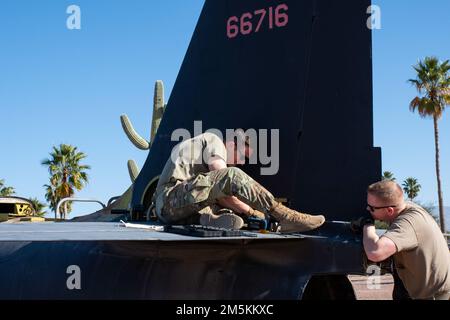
{"x": 372, "y": 208}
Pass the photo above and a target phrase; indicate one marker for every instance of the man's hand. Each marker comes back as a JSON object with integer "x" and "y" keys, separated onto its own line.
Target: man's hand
{"x": 252, "y": 213}
{"x": 357, "y": 225}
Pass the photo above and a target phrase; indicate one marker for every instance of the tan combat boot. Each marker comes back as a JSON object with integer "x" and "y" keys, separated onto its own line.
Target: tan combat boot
{"x": 294, "y": 221}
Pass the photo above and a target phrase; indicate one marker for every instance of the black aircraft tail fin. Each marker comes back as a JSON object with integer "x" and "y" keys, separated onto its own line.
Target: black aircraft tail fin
{"x": 301, "y": 67}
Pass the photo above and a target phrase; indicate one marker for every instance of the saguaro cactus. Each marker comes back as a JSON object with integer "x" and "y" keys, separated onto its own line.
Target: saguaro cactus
{"x": 141, "y": 143}
{"x": 158, "y": 112}
{"x": 133, "y": 170}
{"x": 134, "y": 137}
{"x": 158, "y": 108}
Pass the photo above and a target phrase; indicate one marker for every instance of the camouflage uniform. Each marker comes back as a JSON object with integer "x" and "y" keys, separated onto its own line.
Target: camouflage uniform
{"x": 187, "y": 199}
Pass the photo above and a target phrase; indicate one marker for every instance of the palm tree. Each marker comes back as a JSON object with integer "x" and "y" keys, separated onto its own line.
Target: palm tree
{"x": 6, "y": 191}
{"x": 411, "y": 188}
{"x": 387, "y": 175}
{"x": 66, "y": 175}
{"x": 433, "y": 85}
{"x": 38, "y": 207}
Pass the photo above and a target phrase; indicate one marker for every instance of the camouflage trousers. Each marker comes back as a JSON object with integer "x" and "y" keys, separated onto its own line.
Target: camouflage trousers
{"x": 186, "y": 201}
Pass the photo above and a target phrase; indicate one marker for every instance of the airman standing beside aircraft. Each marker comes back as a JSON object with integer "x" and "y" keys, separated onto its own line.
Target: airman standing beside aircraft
{"x": 196, "y": 183}
{"x": 413, "y": 239}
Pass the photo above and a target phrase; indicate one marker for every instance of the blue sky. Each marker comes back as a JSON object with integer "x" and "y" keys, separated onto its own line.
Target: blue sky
{"x": 71, "y": 86}
{"x": 410, "y": 30}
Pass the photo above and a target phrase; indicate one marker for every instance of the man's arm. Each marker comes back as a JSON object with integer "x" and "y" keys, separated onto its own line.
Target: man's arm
{"x": 377, "y": 249}
{"x": 233, "y": 203}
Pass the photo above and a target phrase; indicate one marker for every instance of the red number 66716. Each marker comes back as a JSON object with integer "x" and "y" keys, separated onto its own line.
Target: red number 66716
{"x": 244, "y": 24}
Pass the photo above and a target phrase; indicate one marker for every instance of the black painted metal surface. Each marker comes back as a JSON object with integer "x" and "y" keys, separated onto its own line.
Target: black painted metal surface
{"x": 134, "y": 264}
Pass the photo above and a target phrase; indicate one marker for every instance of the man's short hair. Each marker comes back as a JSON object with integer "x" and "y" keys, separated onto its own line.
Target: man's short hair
{"x": 387, "y": 191}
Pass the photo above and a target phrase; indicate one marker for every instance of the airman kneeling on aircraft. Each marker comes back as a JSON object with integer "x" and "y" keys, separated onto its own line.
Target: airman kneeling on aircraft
{"x": 196, "y": 185}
